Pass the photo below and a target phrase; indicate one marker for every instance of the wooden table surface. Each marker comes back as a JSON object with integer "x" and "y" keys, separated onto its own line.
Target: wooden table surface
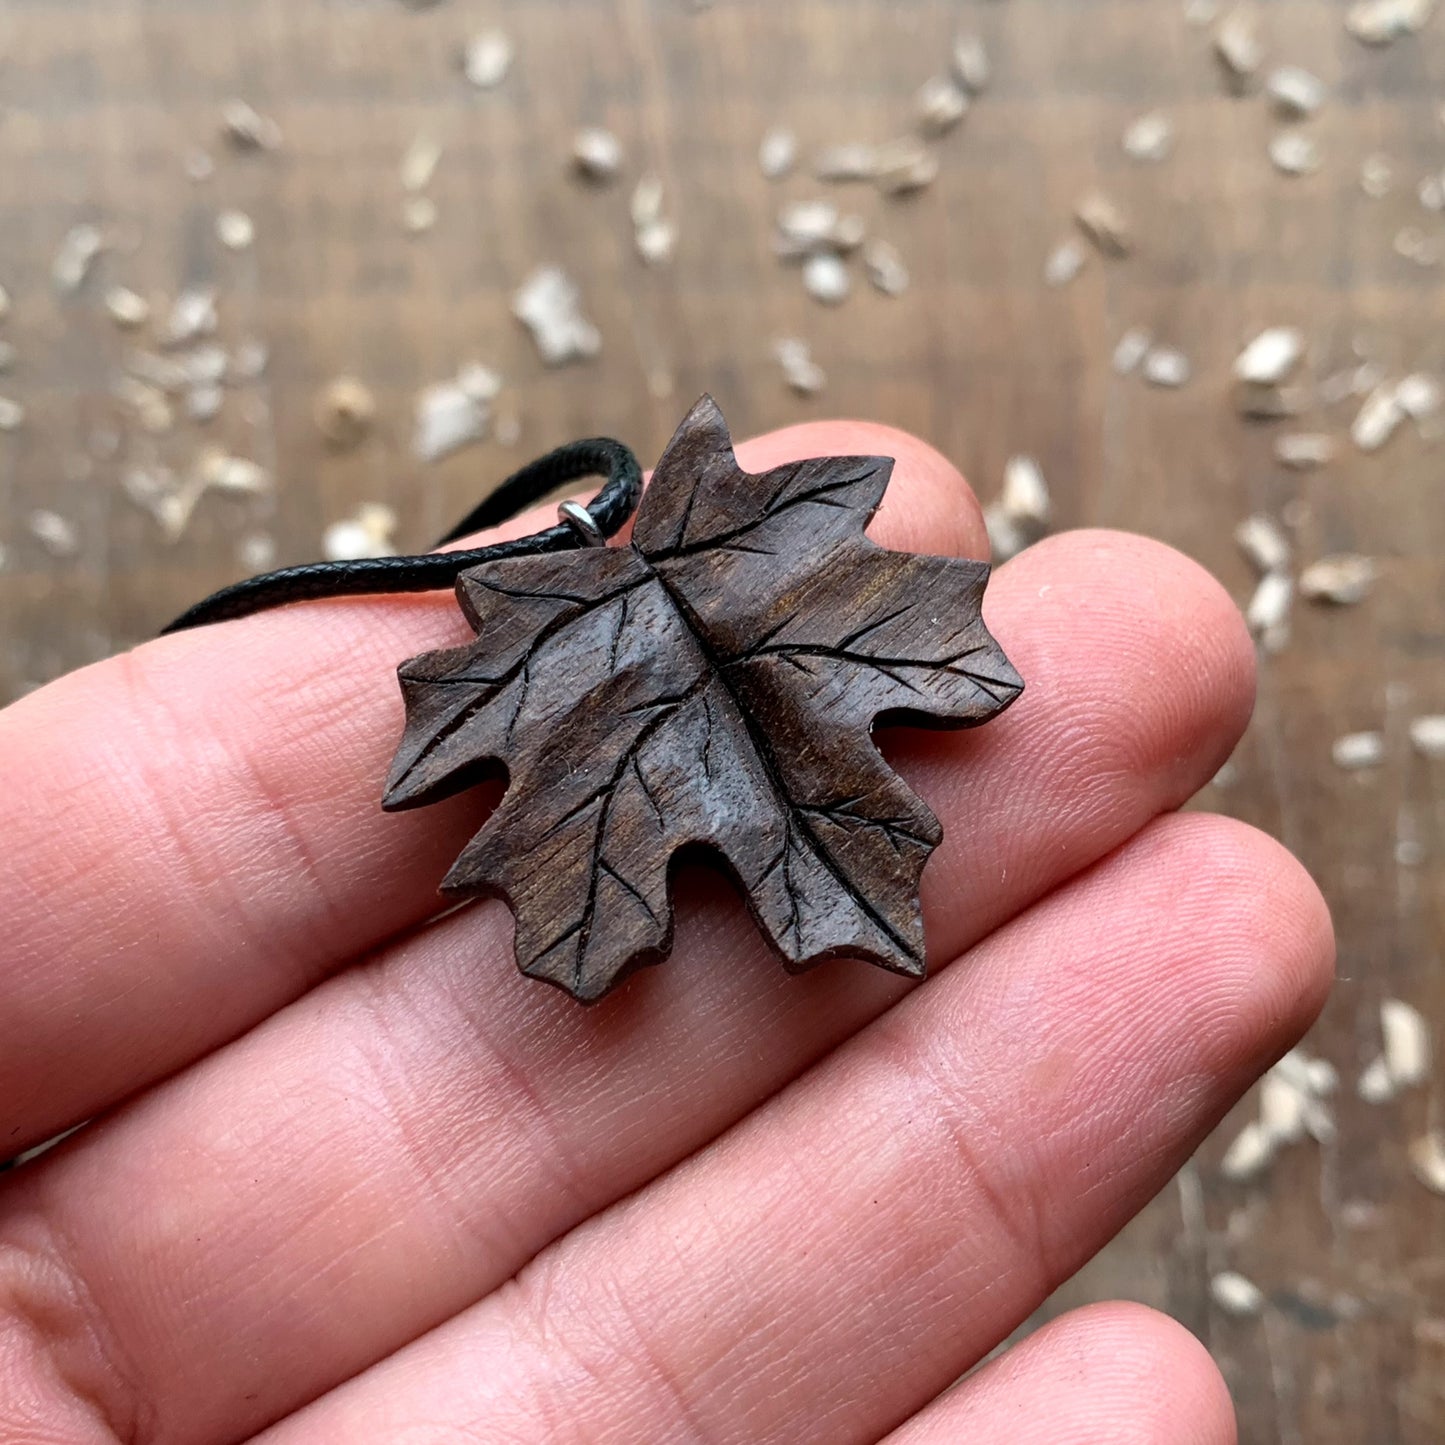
{"x": 100, "y": 101}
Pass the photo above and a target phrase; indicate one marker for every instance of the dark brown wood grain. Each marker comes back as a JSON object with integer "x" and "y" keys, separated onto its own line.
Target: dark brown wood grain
{"x": 711, "y": 684}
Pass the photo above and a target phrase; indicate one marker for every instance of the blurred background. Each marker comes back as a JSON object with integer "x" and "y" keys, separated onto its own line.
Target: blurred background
{"x": 262, "y": 263}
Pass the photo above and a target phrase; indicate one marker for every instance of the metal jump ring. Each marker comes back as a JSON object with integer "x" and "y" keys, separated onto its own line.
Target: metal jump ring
{"x": 576, "y": 516}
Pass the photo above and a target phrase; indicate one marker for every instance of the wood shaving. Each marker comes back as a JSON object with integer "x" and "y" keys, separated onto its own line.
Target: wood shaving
{"x": 1304, "y": 451}
{"x": 1431, "y": 192}
{"x": 77, "y": 254}
{"x": 800, "y": 371}
{"x": 248, "y": 361}
{"x": 1378, "y": 420}
{"x": 1256, "y": 402}
{"x": 596, "y": 153}
{"x": 1418, "y": 396}
{"x": 1379, "y": 22}
{"x": 778, "y": 153}
{"x": 1407, "y": 1043}
{"x": 826, "y": 278}
{"x": 203, "y": 403}
{"x": 12, "y": 414}
{"x": 655, "y": 236}
{"x": 1025, "y": 494}
{"x": 808, "y": 224}
{"x": 885, "y": 268}
{"x": 1271, "y": 356}
{"x": 57, "y": 534}
{"x": 419, "y": 164}
{"x": 1064, "y": 262}
{"x": 205, "y": 366}
{"x": 1294, "y": 153}
{"x": 247, "y": 129}
{"x": 1357, "y": 751}
{"x": 1262, "y": 542}
{"x": 1166, "y": 367}
{"x": 971, "y": 64}
{"x": 1238, "y": 50}
{"x": 1295, "y": 92}
{"x": 1133, "y": 346}
{"x": 904, "y": 166}
{"x": 192, "y": 315}
{"x": 454, "y": 414}
{"x": 848, "y": 162}
{"x": 368, "y": 534}
{"x": 235, "y": 230}
{"x": 1150, "y": 138}
{"x": 418, "y": 215}
{"x": 257, "y": 551}
{"x": 7, "y": 356}
{"x": 1268, "y": 612}
{"x": 1375, "y": 1085}
{"x": 5, "y": 303}
{"x": 126, "y": 308}
{"x": 1236, "y": 1295}
{"x": 216, "y": 467}
{"x": 940, "y": 104}
{"x": 1427, "y": 1160}
{"x": 1200, "y": 13}
{"x": 1282, "y": 1109}
{"x": 1415, "y": 245}
{"x": 1248, "y": 1154}
{"x": 1344, "y": 579}
{"x": 1005, "y": 540}
{"x": 1104, "y": 224}
{"x": 345, "y": 410}
{"x": 1427, "y": 735}
{"x": 486, "y": 59}
{"x": 150, "y": 405}
{"x": 1377, "y": 175}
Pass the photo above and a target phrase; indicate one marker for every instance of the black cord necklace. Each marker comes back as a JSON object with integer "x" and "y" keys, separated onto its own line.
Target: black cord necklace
{"x": 586, "y": 526}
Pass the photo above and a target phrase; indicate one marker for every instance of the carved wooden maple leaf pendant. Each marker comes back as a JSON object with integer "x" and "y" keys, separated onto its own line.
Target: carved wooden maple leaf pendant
{"x": 715, "y": 683}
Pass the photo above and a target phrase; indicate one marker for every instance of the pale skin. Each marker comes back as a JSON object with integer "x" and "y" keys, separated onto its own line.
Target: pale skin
{"x": 351, "y": 1178}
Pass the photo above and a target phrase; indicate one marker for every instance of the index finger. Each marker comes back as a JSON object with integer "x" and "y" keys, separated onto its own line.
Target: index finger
{"x": 194, "y": 830}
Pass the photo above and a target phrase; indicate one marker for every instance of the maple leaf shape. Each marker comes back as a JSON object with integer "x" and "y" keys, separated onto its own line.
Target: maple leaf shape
{"x": 715, "y": 683}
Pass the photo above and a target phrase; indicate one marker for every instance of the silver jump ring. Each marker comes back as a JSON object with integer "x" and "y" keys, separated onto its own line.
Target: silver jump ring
{"x": 576, "y": 516}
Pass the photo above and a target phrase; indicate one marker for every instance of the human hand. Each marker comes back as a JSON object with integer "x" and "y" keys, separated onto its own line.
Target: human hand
{"x": 366, "y": 1183}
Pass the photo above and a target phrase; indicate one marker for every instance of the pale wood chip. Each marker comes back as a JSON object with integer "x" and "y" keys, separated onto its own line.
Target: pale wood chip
{"x": 1427, "y": 735}
{"x": 1165, "y": 366}
{"x": 1427, "y": 1159}
{"x": 778, "y": 153}
{"x": 1236, "y": 1295}
{"x": 549, "y": 304}
{"x": 12, "y": 414}
{"x": 1271, "y": 356}
{"x": 1150, "y": 138}
{"x": 971, "y": 64}
{"x": 1355, "y": 752}
{"x": 247, "y": 129}
{"x": 904, "y": 166}
{"x": 596, "y": 153}
{"x": 940, "y": 104}
{"x": 418, "y": 215}
{"x": 1379, "y": 22}
{"x": 851, "y": 161}
{"x": 800, "y": 371}
{"x": 1237, "y": 48}
{"x": 345, "y": 410}
{"x": 1104, "y": 224}
{"x": 1295, "y": 92}
{"x": 885, "y": 267}
{"x": 192, "y": 315}
{"x": 486, "y": 59}
{"x": 1294, "y": 153}
{"x": 1377, "y": 175}
{"x": 826, "y": 278}
{"x": 58, "y": 535}
{"x": 1378, "y": 420}
{"x": 1268, "y": 611}
{"x": 1407, "y": 1043}
{"x": 1263, "y": 543}
{"x": 419, "y": 164}
{"x": 77, "y": 254}
{"x": 366, "y": 535}
{"x": 1130, "y": 351}
{"x": 1304, "y": 451}
{"x": 1248, "y": 1154}
{"x": 1343, "y": 579}
{"x": 1064, "y": 262}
